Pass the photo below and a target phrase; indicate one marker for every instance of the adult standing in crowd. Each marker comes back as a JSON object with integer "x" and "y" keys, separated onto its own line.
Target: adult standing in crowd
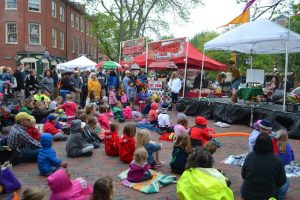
{"x": 102, "y": 80}
{"x": 126, "y": 79}
{"x": 55, "y": 80}
{"x": 263, "y": 172}
{"x": 94, "y": 87}
{"x": 236, "y": 80}
{"x": 31, "y": 83}
{"x": 19, "y": 90}
{"x": 141, "y": 81}
{"x": 66, "y": 85}
{"x": 77, "y": 81}
{"x": 26, "y": 71}
{"x": 112, "y": 80}
{"x": 19, "y": 140}
{"x": 47, "y": 82}
{"x": 175, "y": 86}
{"x": 85, "y": 77}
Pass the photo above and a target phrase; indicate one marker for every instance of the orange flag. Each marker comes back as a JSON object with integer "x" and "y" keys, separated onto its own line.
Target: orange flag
{"x": 242, "y": 18}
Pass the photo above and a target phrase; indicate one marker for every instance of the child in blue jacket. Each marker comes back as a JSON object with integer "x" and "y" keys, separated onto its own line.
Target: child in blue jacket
{"x": 47, "y": 160}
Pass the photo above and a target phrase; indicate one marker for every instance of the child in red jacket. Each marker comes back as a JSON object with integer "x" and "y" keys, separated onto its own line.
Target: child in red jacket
{"x": 33, "y": 131}
{"x": 111, "y": 140}
{"x": 49, "y": 127}
{"x": 199, "y": 133}
{"x": 127, "y": 143}
{"x": 70, "y": 108}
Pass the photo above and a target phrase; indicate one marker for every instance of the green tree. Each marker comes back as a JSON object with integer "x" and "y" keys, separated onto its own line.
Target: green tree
{"x": 131, "y": 19}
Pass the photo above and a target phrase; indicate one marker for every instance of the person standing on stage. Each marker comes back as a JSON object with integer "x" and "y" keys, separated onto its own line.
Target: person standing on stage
{"x": 175, "y": 86}
{"x": 236, "y": 81}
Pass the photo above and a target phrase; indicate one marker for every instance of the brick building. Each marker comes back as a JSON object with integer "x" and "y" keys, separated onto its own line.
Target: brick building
{"x": 41, "y": 33}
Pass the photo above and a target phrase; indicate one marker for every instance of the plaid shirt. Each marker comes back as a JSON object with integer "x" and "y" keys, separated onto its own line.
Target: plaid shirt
{"x": 18, "y": 138}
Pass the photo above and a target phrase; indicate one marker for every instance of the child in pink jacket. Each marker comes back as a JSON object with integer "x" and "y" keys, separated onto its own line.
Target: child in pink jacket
{"x": 63, "y": 188}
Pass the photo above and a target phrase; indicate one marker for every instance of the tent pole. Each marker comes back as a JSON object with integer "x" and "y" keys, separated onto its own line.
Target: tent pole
{"x": 146, "y": 57}
{"x": 185, "y": 68}
{"x": 251, "y": 59}
{"x": 120, "y": 52}
{"x": 203, "y": 53}
{"x": 285, "y": 74}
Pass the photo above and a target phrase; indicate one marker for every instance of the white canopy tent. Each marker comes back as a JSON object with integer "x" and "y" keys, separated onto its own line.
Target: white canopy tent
{"x": 258, "y": 37}
{"x": 82, "y": 62}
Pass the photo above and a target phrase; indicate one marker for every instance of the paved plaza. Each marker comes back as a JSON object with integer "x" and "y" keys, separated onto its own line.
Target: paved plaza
{"x": 101, "y": 165}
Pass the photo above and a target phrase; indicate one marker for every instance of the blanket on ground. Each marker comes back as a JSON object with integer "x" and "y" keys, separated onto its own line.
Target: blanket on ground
{"x": 151, "y": 186}
{"x": 169, "y": 137}
{"x": 147, "y": 125}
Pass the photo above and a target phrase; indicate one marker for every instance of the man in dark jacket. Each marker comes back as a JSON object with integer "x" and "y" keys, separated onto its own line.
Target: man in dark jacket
{"x": 76, "y": 146}
{"x": 19, "y": 90}
{"x": 55, "y": 79}
{"x": 102, "y": 80}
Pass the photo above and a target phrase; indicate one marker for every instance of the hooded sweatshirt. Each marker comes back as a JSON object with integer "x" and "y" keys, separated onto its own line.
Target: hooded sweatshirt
{"x": 47, "y": 160}
{"x": 75, "y": 141}
{"x": 137, "y": 172}
{"x": 63, "y": 188}
{"x": 153, "y": 112}
{"x": 200, "y": 132}
{"x": 126, "y": 148}
{"x": 111, "y": 141}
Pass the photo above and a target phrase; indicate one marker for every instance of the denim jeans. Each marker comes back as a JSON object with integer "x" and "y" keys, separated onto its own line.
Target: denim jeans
{"x": 29, "y": 155}
{"x": 64, "y": 93}
{"x": 283, "y": 190}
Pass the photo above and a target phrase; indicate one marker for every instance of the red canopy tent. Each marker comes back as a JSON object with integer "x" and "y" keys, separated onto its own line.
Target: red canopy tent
{"x": 194, "y": 60}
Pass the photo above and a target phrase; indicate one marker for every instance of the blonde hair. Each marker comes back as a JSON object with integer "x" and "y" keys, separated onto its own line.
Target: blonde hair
{"x": 69, "y": 97}
{"x": 282, "y": 141}
{"x": 59, "y": 98}
{"x": 35, "y": 193}
{"x": 210, "y": 146}
{"x": 143, "y": 137}
{"x": 140, "y": 155}
{"x": 184, "y": 142}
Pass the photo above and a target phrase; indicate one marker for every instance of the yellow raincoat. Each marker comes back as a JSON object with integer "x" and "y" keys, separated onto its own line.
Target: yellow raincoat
{"x": 203, "y": 183}
{"x": 94, "y": 85}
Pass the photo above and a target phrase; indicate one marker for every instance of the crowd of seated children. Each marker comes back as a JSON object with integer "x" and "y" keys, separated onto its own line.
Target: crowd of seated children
{"x": 47, "y": 160}
{"x": 143, "y": 140}
{"x": 76, "y": 145}
{"x": 139, "y": 167}
{"x": 127, "y": 143}
{"x": 111, "y": 140}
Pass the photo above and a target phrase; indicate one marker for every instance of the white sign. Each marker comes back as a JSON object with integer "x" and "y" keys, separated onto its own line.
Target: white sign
{"x": 155, "y": 84}
{"x": 255, "y": 76}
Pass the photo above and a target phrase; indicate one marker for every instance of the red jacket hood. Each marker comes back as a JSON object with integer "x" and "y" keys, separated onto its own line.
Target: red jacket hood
{"x": 154, "y": 106}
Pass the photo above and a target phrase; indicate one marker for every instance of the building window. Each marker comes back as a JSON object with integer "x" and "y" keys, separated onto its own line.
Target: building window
{"x": 11, "y": 4}
{"x": 72, "y": 20}
{"x": 62, "y": 13}
{"x": 11, "y": 33}
{"x": 31, "y": 65}
{"x": 34, "y": 5}
{"x": 54, "y": 8}
{"x": 54, "y": 38}
{"x": 35, "y": 34}
{"x": 78, "y": 45}
{"x": 77, "y": 23}
{"x": 62, "y": 41}
{"x": 73, "y": 44}
{"x": 82, "y": 25}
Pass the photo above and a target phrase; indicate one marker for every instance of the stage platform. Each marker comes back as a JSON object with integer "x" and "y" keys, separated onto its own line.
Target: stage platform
{"x": 221, "y": 109}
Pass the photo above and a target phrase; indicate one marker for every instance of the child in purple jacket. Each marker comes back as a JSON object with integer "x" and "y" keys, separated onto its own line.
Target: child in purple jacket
{"x": 139, "y": 168}
{"x": 285, "y": 151}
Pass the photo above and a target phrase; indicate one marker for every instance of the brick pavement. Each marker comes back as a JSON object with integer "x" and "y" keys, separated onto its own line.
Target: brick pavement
{"x": 100, "y": 165}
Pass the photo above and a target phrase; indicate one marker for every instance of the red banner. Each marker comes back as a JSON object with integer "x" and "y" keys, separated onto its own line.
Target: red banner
{"x": 132, "y": 48}
{"x": 165, "y": 50}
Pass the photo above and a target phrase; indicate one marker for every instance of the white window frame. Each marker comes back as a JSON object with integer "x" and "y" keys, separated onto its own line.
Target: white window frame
{"x": 61, "y": 13}
{"x": 54, "y": 38}
{"x": 78, "y": 45}
{"x": 34, "y": 10}
{"x": 61, "y": 40}
{"x": 6, "y": 8}
{"x": 72, "y": 20}
{"x": 40, "y": 33}
{"x": 77, "y": 23}
{"x": 82, "y": 25}
{"x": 6, "y": 32}
{"x": 73, "y": 44}
{"x": 54, "y": 8}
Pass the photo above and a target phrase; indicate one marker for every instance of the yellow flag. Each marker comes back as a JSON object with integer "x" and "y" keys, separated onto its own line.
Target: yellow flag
{"x": 242, "y": 18}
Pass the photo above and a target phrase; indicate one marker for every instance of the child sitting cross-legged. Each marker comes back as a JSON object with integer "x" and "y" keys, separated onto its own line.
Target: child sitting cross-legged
{"x": 103, "y": 119}
{"x": 163, "y": 118}
{"x": 153, "y": 114}
{"x": 127, "y": 143}
{"x": 199, "y": 133}
{"x": 49, "y": 127}
{"x": 285, "y": 151}
{"x": 111, "y": 140}
{"x": 69, "y": 107}
{"x": 33, "y": 131}
{"x": 139, "y": 168}
{"x": 47, "y": 160}
{"x": 143, "y": 140}
{"x": 118, "y": 113}
{"x": 103, "y": 189}
{"x": 181, "y": 151}
{"x": 181, "y": 128}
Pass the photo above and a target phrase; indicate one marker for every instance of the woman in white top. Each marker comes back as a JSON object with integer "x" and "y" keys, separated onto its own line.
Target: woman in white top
{"x": 175, "y": 86}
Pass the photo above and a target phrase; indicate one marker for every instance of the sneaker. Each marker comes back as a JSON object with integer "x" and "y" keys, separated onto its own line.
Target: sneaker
{"x": 158, "y": 164}
{"x": 63, "y": 138}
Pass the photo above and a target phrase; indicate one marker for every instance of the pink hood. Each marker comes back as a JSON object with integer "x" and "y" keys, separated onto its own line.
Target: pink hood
{"x": 154, "y": 106}
{"x": 64, "y": 189}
